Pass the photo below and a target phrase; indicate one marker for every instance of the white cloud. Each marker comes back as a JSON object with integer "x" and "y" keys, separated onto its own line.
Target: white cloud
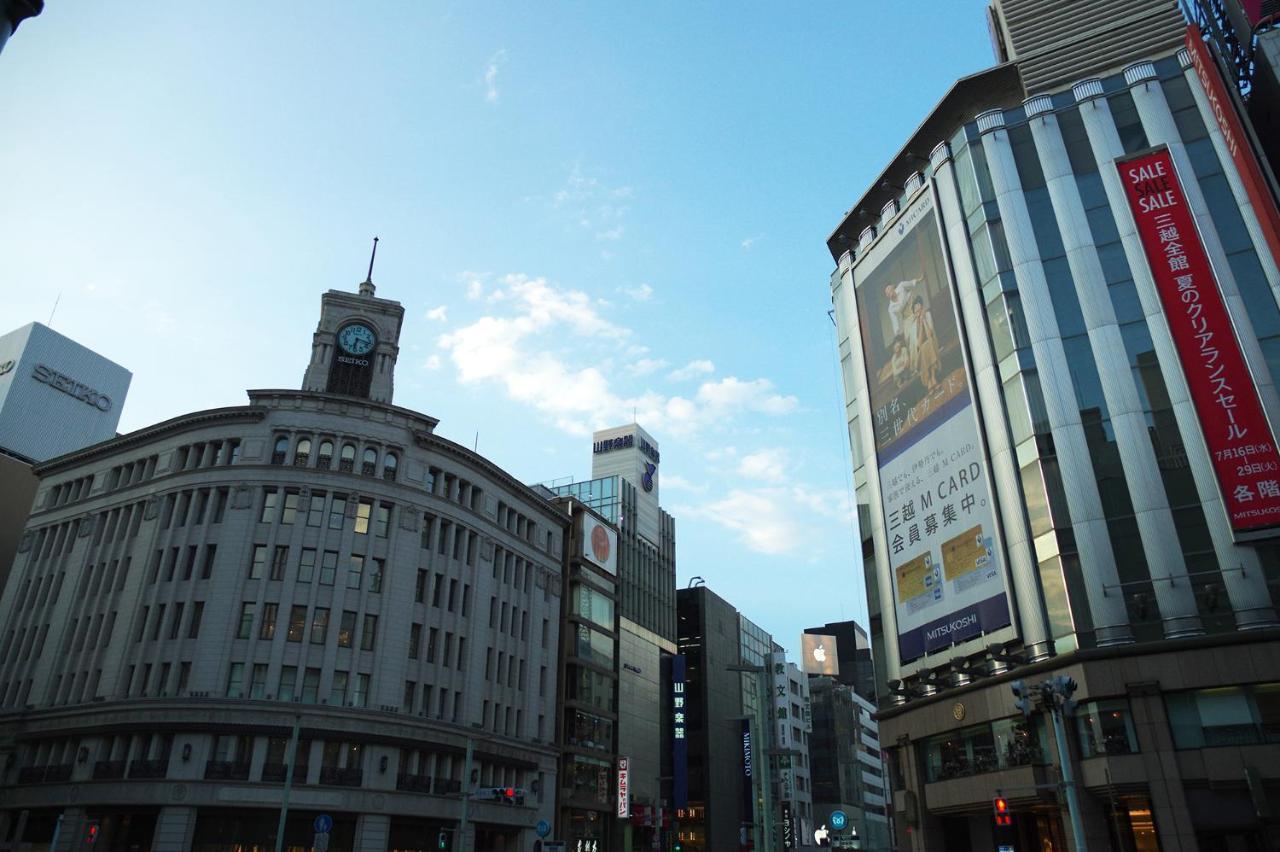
{"x": 645, "y": 366}
{"x": 491, "y": 75}
{"x": 639, "y": 293}
{"x": 776, "y": 520}
{"x": 527, "y": 350}
{"x": 593, "y": 206}
{"x": 475, "y": 288}
{"x": 438, "y": 314}
{"x": 614, "y": 233}
{"x": 693, "y": 369}
{"x": 676, "y": 482}
{"x": 749, "y": 243}
{"x": 433, "y": 363}
{"x": 768, "y": 465}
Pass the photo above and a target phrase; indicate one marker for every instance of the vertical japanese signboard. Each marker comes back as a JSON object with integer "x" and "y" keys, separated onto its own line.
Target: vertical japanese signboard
{"x": 624, "y": 788}
{"x": 679, "y": 745}
{"x": 939, "y": 514}
{"x": 1239, "y": 439}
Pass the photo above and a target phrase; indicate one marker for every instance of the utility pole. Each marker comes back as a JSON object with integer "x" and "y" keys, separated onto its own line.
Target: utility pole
{"x": 463, "y": 846}
{"x": 288, "y": 781}
{"x": 1054, "y": 696}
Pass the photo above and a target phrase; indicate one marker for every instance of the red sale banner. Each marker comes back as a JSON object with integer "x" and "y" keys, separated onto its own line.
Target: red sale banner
{"x": 1236, "y": 431}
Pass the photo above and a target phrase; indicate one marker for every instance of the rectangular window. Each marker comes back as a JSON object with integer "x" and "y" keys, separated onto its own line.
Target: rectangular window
{"x": 246, "y": 620}
{"x": 279, "y": 558}
{"x": 220, "y": 504}
{"x": 297, "y": 623}
{"x": 435, "y": 593}
{"x": 1105, "y": 727}
{"x": 307, "y": 565}
{"x": 289, "y": 511}
{"x": 382, "y": 521}
{"x": 415, "y": 640}
{"x": 355, "y": 571}
{"x": 258, "y": 565}
{"x": 258, "y": 681}
{"x": 184, "y": 676}
{"x": 379, "y": 572}
{"x": 235, "y": 681}
{"x": 328, "y": 567}
{"x": 410, "y": 692}
{"x": 269, "y": 499}
{"x": 338, "y": 692}
{"x": 175, "y": 623}
{"x": 364, "y": 510}
{"x": 360, "y": 692}
{"x": 347, "y": 629}
{"x": 311, "y": 686}
{"x": 268, "y": 628}
{"x": 155, "y": 630}
{"x": 338, "y": 512}
{"x": 319, "y": 625}
{"x": 420, "y": 591}
{"x": 288, "y": 682}
{"x": 368, "y": 632}
{"x": 431, "y": 644}
{"x": 197, "y": 612}
{"x": 315, "y": 509}
{"x": 453, "y": 594}
{"x": 462, "y": 653}
{"x": 189, "y": 564}
{"x": 448, "y": 648}
{"x": 206, "y": 570}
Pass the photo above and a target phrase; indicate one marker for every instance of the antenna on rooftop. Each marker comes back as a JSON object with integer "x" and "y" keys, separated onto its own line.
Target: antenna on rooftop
{"x": 366, "y": 286}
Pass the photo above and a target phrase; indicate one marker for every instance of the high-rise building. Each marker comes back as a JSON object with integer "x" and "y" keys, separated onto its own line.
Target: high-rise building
{"x": 624, "y": 491}
{"x": 55, "y": 396}
{"x": 312, "y": 599}
{"x": 1059, "y": 323}
{"x": 845, "y": 764}
{"x": 853, "y": 656}
{"x": 792, "y": 736}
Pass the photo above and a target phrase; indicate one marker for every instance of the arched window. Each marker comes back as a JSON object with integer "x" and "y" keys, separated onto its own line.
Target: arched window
{"x": 369, "y": 462}
{"x": 389, "y": 462}
{"x": 302, "y": 452}
{"x": 347, "y": 461}
{"x": 325, "y": 456}
{"x": 281, "y": 450}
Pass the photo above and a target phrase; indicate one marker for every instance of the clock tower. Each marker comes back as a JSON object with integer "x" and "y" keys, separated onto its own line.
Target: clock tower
{"x": 354, "y": 349}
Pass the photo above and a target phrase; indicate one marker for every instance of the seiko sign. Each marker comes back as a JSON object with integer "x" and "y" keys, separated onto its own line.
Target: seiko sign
{"x": 359, "y": 362}
{"x": 71, "y": 387}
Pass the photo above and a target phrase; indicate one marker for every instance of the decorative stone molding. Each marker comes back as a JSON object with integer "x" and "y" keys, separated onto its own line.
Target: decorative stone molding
{"x": 1140, "y": 72}
{"x": 867, "y": 237}
{"x": 1184, "y": 58}
{"x": 992, "y": 119}
{"x": 1037, "y": 104}
{"x": 1087, "y": 89}
{"x": 939, "y": 155}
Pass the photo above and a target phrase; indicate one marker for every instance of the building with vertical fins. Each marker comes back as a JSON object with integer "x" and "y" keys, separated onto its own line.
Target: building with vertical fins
{"x": 311, "y": 598}
{"x": 1058, "y": 316}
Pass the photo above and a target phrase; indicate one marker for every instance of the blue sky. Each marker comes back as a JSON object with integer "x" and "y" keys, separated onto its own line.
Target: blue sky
{"x": 585, "y": 208}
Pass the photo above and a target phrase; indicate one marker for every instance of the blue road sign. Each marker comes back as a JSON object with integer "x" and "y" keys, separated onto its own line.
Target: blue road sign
{"x": 544, "y": 828}
{"x": 839, "y": 820}
{"x": 323, "y": 824}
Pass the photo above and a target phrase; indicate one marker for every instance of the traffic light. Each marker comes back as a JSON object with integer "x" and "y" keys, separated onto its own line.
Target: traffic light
{"x": 442, "y": 839}
{"x": 1022, "y": 697}
{"x": 91, "y": 832}
{"x": 1000, "y": 806}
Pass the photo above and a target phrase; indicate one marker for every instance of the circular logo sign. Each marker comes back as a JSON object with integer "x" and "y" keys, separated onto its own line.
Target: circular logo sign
{"x": 544, "y": 828}
{"x": 838, "y": 820}
{"x": 957, "y": 711}
{"x": 600, "y": 544}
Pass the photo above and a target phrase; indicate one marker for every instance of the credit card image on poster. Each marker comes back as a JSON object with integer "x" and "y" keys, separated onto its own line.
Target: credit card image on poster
{"x": 919, "y": 582}
{"x": 968, "y": 559}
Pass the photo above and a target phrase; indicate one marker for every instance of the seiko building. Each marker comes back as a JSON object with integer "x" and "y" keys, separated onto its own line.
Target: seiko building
{"x": 309, "y": 612}
{"x": 1059, "y": 323}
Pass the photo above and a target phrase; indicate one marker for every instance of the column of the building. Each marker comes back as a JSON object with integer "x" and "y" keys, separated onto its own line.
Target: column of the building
{"x": 1128, "y": 420}
{"x": 847, "y": 312}
{"x": 1097, "y": 561}
{"x": 175, "y": 830}
{"x": 1027, "y": 593}
{"x": 1270, "y": 264}
{"x": 1246, "y": 586}
{"x": 373, "y": 832}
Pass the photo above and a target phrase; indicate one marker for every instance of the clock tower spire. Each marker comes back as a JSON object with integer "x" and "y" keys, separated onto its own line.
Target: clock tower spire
{"x": 356, "y": 342}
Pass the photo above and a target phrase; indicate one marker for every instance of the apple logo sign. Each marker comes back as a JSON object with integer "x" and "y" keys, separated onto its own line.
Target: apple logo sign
{"x": 820, "y": 835}
{"x": 820, "y": 654}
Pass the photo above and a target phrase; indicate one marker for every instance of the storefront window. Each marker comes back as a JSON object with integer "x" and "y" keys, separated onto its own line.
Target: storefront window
{"x": 1230, "y": 715}
{"x": 1105, "y": 727}
{"x": 589, "y": 780}
{"x": 592, "y": 688}
{"x": 587, "y": 731}
{"x": 594, "y": 646}
{"x": 1003, "y": 744}
{"x": 593, "y": 606}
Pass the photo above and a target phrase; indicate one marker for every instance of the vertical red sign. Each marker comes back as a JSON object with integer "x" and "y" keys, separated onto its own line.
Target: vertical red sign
{"x": 1235, "y": 428}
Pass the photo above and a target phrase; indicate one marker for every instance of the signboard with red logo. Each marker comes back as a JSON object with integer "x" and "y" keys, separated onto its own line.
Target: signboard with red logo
{"x": 1239, "y": 438}
{"x": 624, "y": 788}
{"x": 599, "y": 543}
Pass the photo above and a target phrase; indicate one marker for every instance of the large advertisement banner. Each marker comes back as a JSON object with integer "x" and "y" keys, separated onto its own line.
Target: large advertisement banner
{"x": 935, "y": 487}
{"x": 1235, "y": 428}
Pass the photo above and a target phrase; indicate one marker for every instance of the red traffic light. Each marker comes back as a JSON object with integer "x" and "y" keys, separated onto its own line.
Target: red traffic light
{"x": 91, "y": 836}
{"x": 1000, "y": 807}
{"x": 510, "y": 792}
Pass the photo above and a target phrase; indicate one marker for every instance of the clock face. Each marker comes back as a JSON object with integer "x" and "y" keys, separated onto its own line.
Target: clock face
{"x": 357, "y": 339}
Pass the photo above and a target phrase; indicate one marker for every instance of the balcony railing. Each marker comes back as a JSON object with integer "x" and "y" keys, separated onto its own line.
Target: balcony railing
{"x": 341, "y": 777}
{"x": 149, "y": 768}
{"x": 446, "y": 786}
{"x": 226, "y": 770}
{"x": 106, "y": 770}
{"x": 51, "y": 774}
{"x": 413, "y": 783}
{"x": 278, "y": 772}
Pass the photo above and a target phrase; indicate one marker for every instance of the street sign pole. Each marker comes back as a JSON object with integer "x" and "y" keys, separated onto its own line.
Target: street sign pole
{"x": 463, "y": 846}
{"x": 288, "y": 781}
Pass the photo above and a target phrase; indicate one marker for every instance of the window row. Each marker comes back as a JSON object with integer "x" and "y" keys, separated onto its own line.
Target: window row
{"x": 195, "y": 506}
{"x": 516, "y": 522}
{"x": 160, "y": 681}
{"x": 512, "y": 570}
{"x": 345, "y": 689}
{"x": 176, "y": 563}
{"x": 75, "y": 687}
{"x": 219, "y": 453}
{"x": 152, "y": 621}
{"x": 324, "y": 454}
{"x": 447, "y": 657}
{"x": 20, "y": 642}
{"x": 509, "y": 670}
{"x": 512, "y": 621}
{"x": 271, "y": 563}
{"x": 69, "y": 491}
{"x": 454, "y": 489}
{"x": 451, "y": 600}
{"x": 353, "y": 630}
{"x": 285, "y": 505}
{"x": 450, "y": 539}
{"x": 90, "y": 632}
{"x": 129, "y": 473}
{"x": 54, "y": 540}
